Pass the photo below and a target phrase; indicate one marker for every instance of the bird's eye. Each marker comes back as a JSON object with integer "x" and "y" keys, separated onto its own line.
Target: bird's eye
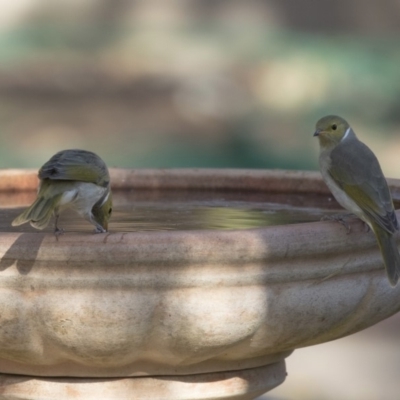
{"x": 334, "y": 127}
{"x": 110, "y": 211}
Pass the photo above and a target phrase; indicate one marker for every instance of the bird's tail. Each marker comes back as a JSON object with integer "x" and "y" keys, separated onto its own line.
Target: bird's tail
{"x": 38, "y": 214}
{"x": 390, "y": 254}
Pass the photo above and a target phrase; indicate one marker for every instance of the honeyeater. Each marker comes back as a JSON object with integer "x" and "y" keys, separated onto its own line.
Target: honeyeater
{"x": 76, "y": 179}
{"x": 354, "y": 176}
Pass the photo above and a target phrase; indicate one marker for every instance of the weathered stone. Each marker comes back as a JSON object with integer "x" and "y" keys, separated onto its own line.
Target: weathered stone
{"x": 180, "y": 304}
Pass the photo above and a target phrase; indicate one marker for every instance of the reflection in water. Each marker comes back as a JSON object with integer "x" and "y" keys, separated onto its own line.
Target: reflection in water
{"x": 179, "y": 210}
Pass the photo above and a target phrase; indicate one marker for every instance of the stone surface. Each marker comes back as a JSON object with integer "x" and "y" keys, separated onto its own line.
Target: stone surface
{"x": 184, "y": 303}
{"x": 151, "y": 303}
{"x": 237, "y": 385}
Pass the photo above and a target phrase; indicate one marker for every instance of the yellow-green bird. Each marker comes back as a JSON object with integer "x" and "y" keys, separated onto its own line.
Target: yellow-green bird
{"x": 354, "y": 176}
{"x": 76, "y": 179}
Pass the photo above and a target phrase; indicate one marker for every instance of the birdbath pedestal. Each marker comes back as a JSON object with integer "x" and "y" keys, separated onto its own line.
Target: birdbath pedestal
{"x": 180, "y": 315}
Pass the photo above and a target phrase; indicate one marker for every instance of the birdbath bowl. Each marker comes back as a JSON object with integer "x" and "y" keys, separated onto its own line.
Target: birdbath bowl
{"x": 179, "y": 314}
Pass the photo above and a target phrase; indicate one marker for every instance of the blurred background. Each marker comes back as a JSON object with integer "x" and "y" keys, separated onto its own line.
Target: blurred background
{"x": 196, "y": 83}
{"x": 212, "y": 83}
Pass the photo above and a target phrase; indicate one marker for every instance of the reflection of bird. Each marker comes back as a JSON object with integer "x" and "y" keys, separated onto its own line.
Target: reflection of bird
{"x": 76, "y": 179}
{"x": 354, "y": 176}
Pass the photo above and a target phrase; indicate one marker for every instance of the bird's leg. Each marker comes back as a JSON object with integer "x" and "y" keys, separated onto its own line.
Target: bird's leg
{"x": 57, "y": 231}
{"x": 98, "y": 227}
{"x": 341, "y": 218}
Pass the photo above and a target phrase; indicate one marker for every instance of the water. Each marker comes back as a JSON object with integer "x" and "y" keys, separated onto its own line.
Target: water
{"x": 182, "y": 210}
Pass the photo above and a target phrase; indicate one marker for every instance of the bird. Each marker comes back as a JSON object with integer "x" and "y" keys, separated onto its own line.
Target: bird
{"x": 353, "y": 175}
{"x": 76, "y": 179}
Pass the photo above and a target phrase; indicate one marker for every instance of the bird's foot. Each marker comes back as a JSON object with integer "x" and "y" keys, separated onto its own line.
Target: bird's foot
{"x": 99, "y": 229}
{"x": 58, "y": 232}
{"x": 341, "y": 218}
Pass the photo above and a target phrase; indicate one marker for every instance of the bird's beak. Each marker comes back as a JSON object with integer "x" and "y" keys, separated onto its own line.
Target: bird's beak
{"x": 317, "y": 132}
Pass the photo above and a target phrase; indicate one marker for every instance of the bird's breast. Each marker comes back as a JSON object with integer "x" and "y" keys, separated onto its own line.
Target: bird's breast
{"x": 81, "y": 196}
{"x": 338, "y": 193}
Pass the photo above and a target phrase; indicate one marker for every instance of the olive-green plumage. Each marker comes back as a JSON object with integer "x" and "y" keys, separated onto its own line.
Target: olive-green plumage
{"x": 76, "y": 179}
{"x": 76, "y": 165}
{"x": 354, "y": 176}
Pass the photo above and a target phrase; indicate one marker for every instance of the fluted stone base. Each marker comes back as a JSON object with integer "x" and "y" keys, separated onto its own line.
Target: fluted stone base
{"x": 239, "y": 385}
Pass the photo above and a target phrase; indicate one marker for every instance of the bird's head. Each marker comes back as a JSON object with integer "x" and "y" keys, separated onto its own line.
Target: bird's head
{"x": 331, "y": 130}
{"x": 102, "y": 210}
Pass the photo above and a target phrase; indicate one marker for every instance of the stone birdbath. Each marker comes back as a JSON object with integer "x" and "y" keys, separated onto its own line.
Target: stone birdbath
{"x": 180, "y": 315}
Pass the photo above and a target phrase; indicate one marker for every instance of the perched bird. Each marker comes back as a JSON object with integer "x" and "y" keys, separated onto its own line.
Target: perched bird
{"x": 76, "y": 179}
{"x": 354, "y": 176}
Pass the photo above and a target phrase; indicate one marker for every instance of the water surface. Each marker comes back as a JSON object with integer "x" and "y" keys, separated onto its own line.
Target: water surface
{"x": 183, "y": 210}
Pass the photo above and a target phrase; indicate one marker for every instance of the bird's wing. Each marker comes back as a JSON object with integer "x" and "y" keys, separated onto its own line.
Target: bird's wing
{"x": 76, "y": 165}
{"x": 356, "y": 170}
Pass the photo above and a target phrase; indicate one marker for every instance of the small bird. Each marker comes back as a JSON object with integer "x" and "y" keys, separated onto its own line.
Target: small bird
{"x": 76, "y": 179}
{"x": 354, "y": 176}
